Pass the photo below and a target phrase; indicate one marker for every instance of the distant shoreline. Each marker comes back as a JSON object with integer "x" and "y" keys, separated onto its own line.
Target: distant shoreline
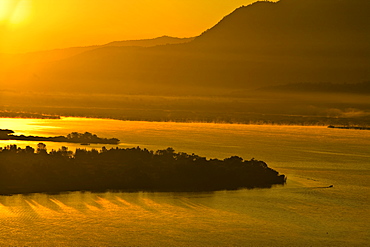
{"x": 184, "y": 121}
{"x": 27, "y": 115}
{"x": 348, "y": 127}
{"x": 251, "y": 122}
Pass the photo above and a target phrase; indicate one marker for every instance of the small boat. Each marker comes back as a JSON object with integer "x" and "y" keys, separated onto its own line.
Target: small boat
{"x": 85, "y": 144}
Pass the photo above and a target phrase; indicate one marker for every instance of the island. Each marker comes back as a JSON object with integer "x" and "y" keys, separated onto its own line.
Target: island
{"x": 74, "y": 137}
{"x": 132, "y": 169}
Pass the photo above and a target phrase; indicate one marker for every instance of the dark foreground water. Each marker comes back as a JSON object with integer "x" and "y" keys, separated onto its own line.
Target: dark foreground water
{"x": 305, "y": 212}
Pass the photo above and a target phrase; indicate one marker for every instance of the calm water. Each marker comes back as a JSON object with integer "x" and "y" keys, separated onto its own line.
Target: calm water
{"x": 303, "y": 213}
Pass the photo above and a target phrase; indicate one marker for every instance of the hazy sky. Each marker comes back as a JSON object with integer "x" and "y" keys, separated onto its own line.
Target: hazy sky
{"x": 29, "y": 25}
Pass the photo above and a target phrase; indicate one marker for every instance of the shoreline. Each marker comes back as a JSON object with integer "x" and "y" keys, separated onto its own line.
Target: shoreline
{"x": 348, "y": 127}
{"x": 252, "y": 123}
{"x": 96, "y": 191}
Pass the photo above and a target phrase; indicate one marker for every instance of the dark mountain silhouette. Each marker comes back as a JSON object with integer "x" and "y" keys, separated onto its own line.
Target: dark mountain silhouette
{"x": 258, "y": 45}
{"x": 293, "y": 26}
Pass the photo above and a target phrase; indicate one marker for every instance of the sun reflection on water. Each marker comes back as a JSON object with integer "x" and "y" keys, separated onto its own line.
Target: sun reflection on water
{"x": 27, "y": 126}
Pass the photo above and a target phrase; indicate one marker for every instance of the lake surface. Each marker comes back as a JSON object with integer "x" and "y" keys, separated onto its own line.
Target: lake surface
{"x": 304, "y": 212}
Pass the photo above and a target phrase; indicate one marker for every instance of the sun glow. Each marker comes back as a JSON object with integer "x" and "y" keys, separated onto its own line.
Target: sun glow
{"x": 33, "y": 25}
{"x": 14, "y": 12}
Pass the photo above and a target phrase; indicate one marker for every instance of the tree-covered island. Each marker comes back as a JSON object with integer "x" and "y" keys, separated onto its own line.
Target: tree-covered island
{"x": 132, "y": 169}
{"x": 74, "y": 137}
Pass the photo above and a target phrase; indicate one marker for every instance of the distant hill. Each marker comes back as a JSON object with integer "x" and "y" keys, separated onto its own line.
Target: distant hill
{"x": 263, "y": 44}
{"x": 164, "y": 40}
{"x": 13, "y": 60}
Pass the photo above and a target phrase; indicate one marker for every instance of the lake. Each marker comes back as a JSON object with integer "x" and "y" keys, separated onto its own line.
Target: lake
{"x": 304, "y": 212}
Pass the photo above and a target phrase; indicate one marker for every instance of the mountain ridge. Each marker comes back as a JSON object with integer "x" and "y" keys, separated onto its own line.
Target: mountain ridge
{"x": 261, "y": 44}
{"x": 62, "y": 53}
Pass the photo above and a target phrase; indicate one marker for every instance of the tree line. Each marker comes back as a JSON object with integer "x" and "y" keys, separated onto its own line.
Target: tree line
{"x": 74, "y": 137}
{"x": 132, "y": 169}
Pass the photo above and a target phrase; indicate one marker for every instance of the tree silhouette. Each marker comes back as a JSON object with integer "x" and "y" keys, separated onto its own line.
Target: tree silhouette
{"x": 41, "y": 148}
{"x": 131, "y": 169}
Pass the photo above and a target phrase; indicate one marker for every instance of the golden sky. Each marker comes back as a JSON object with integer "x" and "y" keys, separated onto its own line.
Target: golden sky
{"x": 30, "y": 25}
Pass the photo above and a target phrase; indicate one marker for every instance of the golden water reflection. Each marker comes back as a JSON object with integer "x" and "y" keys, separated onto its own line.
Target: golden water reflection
{"x": 305, "y": 212}
{"x": 224, "y": 218}
{"x": 301, "y": 143}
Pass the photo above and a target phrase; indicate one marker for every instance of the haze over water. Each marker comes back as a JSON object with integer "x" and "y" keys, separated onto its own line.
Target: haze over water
{"x": 304, "y": 212}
